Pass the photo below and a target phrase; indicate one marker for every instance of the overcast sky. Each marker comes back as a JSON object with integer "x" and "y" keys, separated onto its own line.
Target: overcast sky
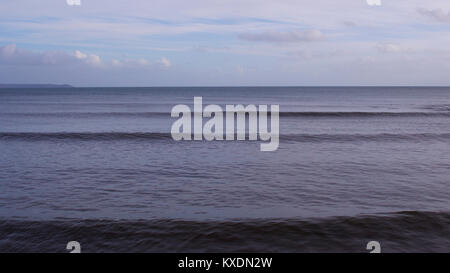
{"x": 225, "y": 42}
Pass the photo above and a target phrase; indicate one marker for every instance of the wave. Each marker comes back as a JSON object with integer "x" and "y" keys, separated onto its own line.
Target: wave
{"x": 445, "y": 137}
{"x": 282, "y": 114}
{"x": 147, "y": 136}
{"x": 87, "y": 114}
{"x": 414, "y": 231}
{"x": 438, "y": 107}
{"x": 364, "y": 114}
{"x": 85, "y": 136}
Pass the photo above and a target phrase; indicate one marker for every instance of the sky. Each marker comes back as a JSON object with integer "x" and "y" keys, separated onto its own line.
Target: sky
{"x": 225, "y": 42}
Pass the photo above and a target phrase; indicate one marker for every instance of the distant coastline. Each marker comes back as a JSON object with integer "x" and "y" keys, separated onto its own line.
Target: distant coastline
{"x": 35, "y": 86}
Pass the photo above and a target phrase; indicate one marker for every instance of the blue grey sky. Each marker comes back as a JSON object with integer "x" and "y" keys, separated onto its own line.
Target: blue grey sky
{"x": 225, "y": 42}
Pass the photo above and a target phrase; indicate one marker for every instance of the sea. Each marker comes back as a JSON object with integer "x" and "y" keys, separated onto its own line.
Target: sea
{"x": 99, "y": 166}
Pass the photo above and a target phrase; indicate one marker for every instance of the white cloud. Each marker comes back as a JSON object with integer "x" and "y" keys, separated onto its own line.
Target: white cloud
{"x": 129, "y": 63}
{"x": 79, "y": 55}
{"x": 164, "y": 62}
{"x": 284, "y": 37}
{"x": 88, "y": 58}
{"x": 12, "y": 55}
{"x": 374, "y": 2}
{"x": 73, "y": 2}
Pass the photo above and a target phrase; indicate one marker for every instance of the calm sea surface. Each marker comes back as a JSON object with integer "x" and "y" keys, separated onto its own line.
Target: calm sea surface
{"x": 98, "y": 165}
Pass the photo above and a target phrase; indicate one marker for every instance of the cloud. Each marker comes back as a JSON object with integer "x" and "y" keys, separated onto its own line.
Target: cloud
{"x": 141, "y": 63}
{"x": 349, "y": 23}
{"x": 240, "y": 69}
{"x": 12, "y": 55}
{"x": 389, "y": 48}
{"x": 8, "y": 50}
{"x": 283, "y": 37}
{"x": 73, "y": 2}
{"x": 436, "y": 14}
{"x": 373, "y": 2}
{"x": 89, "y": 59}
{"x": 164, "y": 63}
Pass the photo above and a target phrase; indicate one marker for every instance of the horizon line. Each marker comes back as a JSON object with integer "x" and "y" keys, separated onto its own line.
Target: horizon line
{"x": 46, "y": 85}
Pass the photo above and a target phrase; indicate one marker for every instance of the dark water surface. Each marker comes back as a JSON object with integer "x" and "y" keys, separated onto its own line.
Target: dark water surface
{"x": 98, "y": 165}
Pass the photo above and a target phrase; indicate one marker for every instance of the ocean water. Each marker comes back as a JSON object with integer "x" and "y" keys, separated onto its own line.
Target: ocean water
{"x": 99, "y": 166}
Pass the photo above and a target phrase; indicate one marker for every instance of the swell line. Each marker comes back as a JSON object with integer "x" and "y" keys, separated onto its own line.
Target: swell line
{"x": 282, "y": 114}
{"x": 148, "y": 136}
{"x": 364, "y": 114}
{"x": 84, "y": 136}
{"x": 333, "y": 234}
{"x": 444, "y": 137}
